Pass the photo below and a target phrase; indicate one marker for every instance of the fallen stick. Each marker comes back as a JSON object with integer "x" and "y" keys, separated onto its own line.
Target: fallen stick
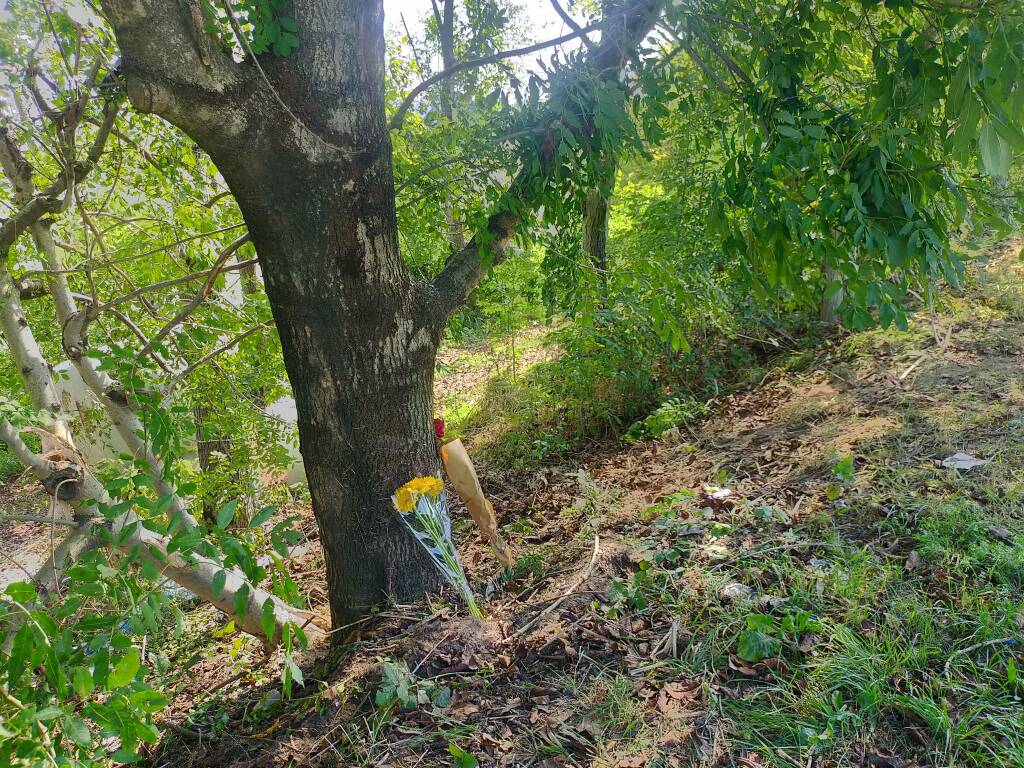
{"x": 977, "y": 646}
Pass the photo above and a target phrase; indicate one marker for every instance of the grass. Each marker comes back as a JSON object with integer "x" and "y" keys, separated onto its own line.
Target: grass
{"x": 10, "y": 466}
{"x": 890, "y": 667}
{"x": 572, "y": 389}
{"x": 921, "y": 618}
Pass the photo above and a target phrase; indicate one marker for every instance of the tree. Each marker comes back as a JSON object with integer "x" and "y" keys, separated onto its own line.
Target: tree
{"x": 303, "y": 143}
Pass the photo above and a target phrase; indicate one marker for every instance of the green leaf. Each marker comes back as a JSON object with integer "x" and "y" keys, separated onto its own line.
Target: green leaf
{"x": 21, "y": 649}
{"x": 292, "y": 672}
{"x": 227, "y": 514}
{"x": 76, "y": 730}
{"x": 125, "y": 670}
{"x": 46, "y": 714}
{"x": 241, "y": 601}
{"x": 755, "y": 645}
{"x": 21, "y": 592}
{"x": 262, "y": 516}
{"x": 268, "y": 619}
{"x": 81, "y": 681}
{"x": 995, "y": 152}
{"x": 219, "y": 580}
{"x": 462, "y": 758}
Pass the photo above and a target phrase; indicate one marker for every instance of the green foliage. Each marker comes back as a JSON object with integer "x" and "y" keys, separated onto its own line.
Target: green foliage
{"x": 462, "y": 758}
{"x": 262, "y": 26}
{"x": 796, "y": 150}
{"x": 857, "y": 143}
{"x": 672, "y": 413}
{"x": 843, "y": 470}
{"x": 400, "y": 687}
{"x": 757, "y": 641}
{"x": 630, "y": 594}
{"x": 766, "y": 635}
{"x": 77, "y": 685}
{"x": 10, "y": 466}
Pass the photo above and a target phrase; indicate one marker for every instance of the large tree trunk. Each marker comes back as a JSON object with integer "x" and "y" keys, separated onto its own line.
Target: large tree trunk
{"x": 321, "y": 212}
{"x": 361, "y": 367}
{"x": 380, "y": 434}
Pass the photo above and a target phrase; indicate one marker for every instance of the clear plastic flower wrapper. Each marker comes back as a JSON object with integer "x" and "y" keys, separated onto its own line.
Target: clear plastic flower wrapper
{"x": 423, "y": 507}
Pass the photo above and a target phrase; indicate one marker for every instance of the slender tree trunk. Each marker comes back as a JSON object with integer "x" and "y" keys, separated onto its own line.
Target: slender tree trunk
{"x": 594, "y": 236}
{"x": 830, "y": 304}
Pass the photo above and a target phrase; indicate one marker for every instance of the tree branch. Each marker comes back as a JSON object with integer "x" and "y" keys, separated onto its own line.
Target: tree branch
{"x": 462, "y": 66}
{"x": 52, "y": 199}
{"x": 172, "y": 66}
{"x": 200, "y": 296}
{"x": 189, "y": 278}
{"x": 571, "y": 23}
{"x": 194, "y": 572}
{"x": 233, "y": 341}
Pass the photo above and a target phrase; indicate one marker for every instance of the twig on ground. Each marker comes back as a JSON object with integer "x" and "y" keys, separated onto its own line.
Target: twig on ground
{"x": 941, "y": 347}
{"x": 18, "y": 518}
{"x": 977, "y": 646}
{"x": 19, "y": 566}
{"x": 430, "y": 652}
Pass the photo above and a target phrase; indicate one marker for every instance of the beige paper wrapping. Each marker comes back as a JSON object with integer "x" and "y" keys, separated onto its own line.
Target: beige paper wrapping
{"x": 462, "y": 475}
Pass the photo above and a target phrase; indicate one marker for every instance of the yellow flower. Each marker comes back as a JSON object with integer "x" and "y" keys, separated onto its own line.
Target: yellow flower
{"x": 405, "y": 499}
{"x": 427, "y": 486}
{"x": 406, "y": 496}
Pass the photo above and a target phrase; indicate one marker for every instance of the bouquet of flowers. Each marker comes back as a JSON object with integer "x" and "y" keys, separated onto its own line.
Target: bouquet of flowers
{"x": 422, "y": 505}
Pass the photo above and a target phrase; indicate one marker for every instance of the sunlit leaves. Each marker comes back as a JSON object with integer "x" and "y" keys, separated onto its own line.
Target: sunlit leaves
{"x": 264, "y": 23}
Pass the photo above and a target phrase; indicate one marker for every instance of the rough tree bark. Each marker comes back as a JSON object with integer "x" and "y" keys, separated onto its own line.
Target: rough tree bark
{"x": 303, "y": 144}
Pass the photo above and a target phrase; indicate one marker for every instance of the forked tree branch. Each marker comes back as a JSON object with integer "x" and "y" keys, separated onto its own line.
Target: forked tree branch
{"x": 172, "y": 66}
{"x": 201, "y": 295}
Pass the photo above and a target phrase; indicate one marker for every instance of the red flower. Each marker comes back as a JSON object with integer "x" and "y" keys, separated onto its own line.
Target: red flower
{"x": 439, "y": 428}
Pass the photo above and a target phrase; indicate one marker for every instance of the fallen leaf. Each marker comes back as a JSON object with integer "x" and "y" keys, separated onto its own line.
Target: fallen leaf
{"x": 673, "y": 739}
{"x": 913, "y": 560}
{"x": 673, "y": 698}
{"x": 962, "y": 461}
{"x": 1001, "y": 532}
{"x": 750, "y": 760}
{"x": 774, "y": 663}
{"x": 807, "y": 641}
{"x": 737, "y": 664}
